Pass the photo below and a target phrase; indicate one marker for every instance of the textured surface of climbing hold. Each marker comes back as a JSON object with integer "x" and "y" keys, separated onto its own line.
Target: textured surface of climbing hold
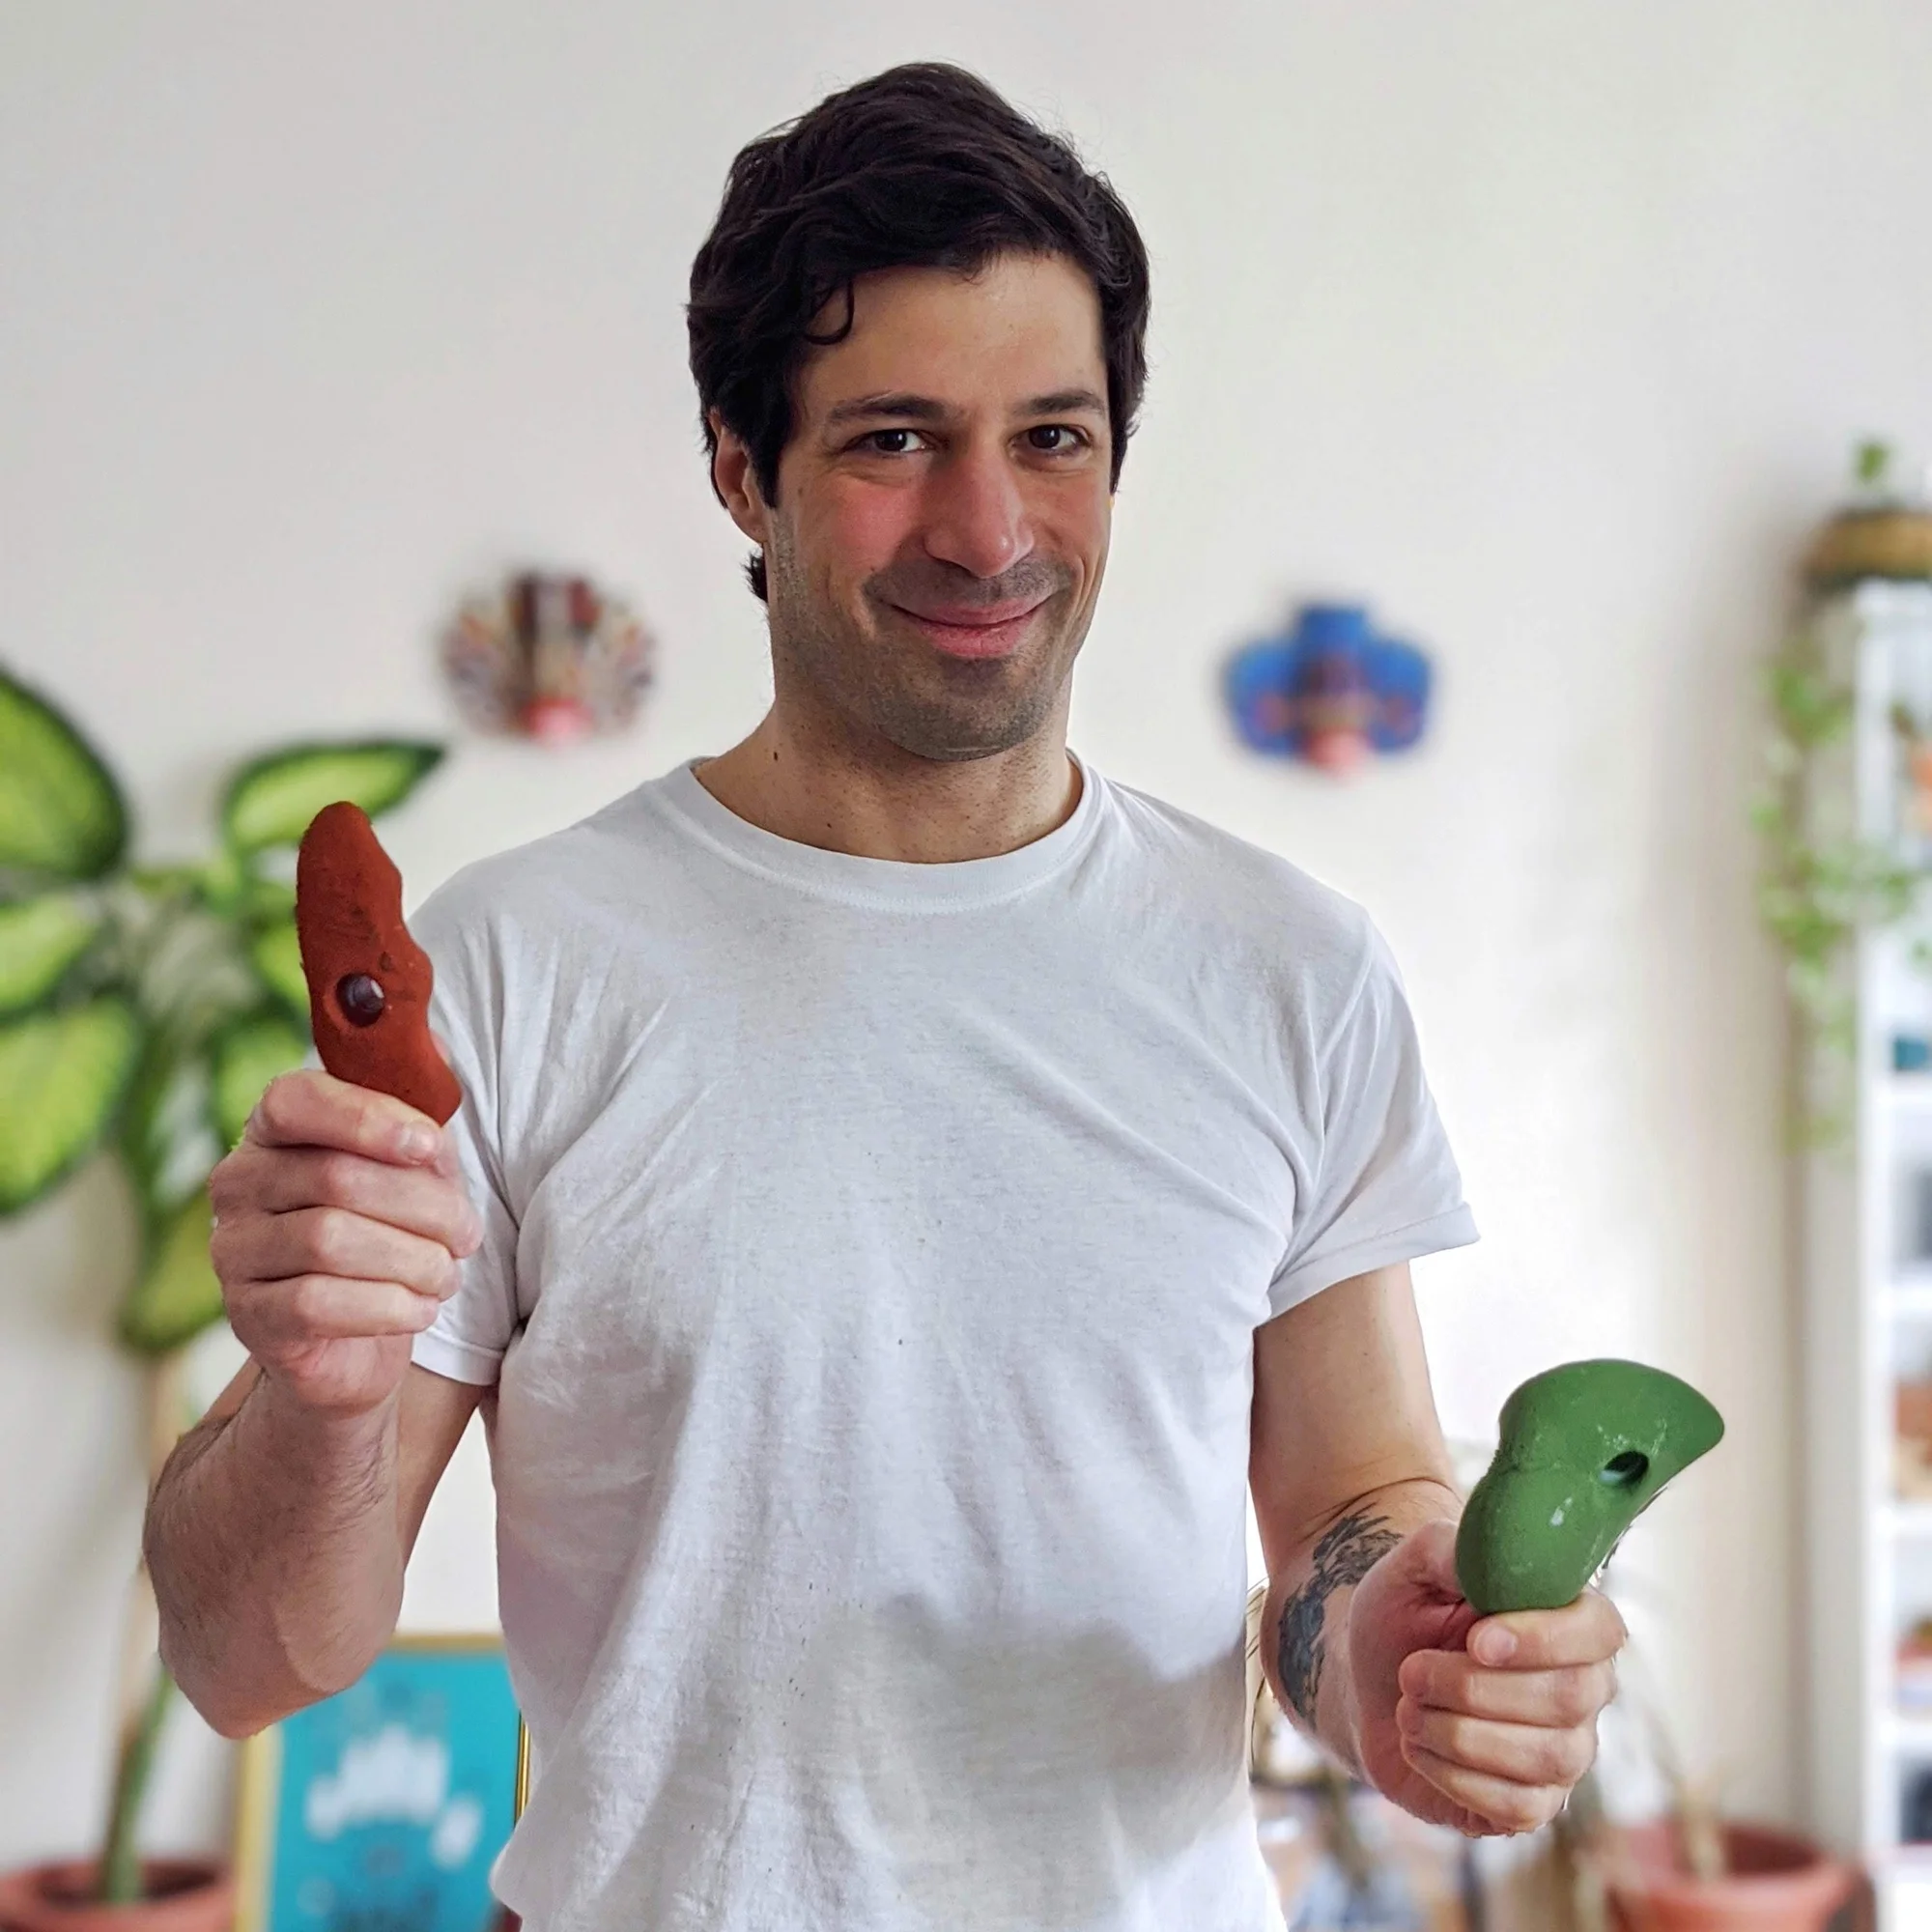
{"x": 1585, "y": 1449}
{"x": 368, "y": 981}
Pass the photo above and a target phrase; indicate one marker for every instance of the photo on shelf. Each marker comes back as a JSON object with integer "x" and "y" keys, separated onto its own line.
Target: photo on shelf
{"x": 1911, "y": 718}
{"x": 1915, "y": 1825}
{"x": 1913, "y": 1446}
{"x": 388, "y": 1804}
{"x": 1915, "y": 1684}
{"x": 1918, "y": 1248}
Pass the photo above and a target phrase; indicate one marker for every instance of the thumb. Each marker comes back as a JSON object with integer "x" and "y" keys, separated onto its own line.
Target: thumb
{"x": 1425, "y": 1576}
{"x": 1427, "y": 1559}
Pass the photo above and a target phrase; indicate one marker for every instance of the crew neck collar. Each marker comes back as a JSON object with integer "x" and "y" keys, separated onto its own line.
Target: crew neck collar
{"x": 884, "y": 884}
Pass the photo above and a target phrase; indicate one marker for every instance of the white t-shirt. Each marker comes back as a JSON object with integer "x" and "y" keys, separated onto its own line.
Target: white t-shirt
{"x": 873, "y": 1258}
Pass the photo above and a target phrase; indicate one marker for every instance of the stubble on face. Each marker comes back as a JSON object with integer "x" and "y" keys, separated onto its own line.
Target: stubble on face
{"x": 934, "y": 556}
{"x": 867, "y": 669}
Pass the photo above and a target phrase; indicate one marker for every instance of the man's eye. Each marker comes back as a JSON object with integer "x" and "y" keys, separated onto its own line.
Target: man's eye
{"x": 1055, "y": 439}
{"x": 888, "y": 442}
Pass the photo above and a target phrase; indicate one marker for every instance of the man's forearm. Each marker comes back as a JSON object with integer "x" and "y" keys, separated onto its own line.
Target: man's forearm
{"x": 1305, "y": 1627}
{"x": 274, "y": 1540}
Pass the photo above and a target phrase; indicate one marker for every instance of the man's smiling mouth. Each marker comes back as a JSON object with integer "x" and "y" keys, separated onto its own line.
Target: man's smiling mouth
{"x": 973, "y": 631}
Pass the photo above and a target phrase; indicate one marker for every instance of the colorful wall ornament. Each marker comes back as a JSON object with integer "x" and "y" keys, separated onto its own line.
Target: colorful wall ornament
{"x": 1329, "y": 690}
{"x": 550, "y": 657}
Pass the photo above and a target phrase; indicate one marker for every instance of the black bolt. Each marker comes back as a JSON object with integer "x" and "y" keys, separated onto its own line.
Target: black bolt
{"x": 360, "y": 998}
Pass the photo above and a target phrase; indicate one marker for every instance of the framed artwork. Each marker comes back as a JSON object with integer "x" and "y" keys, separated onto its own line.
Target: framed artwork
{"x": 384, "y": 1809}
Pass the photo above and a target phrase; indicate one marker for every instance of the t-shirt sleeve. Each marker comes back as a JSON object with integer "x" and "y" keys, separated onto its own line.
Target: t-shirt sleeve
{"x": 471, "y": 1334}
{"x": 1384, "y": 1185}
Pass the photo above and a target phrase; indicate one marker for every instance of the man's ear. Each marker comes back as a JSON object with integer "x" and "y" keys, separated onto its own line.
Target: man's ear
{"x": 736, "y": 482}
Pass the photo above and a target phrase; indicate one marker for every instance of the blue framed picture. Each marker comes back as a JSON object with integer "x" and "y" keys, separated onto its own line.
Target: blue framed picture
{"x": 384, "y": 1809}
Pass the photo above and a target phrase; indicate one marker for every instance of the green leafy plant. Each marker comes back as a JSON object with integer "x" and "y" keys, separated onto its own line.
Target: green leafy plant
{"x": 143, "y": 1011}
{"x": 1817, "y": 890}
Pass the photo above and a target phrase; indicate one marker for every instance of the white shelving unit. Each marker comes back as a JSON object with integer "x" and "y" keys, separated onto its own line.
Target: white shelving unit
{"x": 1868, "y": 1305}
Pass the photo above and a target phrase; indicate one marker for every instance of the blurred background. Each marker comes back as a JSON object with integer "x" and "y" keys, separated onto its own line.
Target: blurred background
{"x": 1544, "y": 329}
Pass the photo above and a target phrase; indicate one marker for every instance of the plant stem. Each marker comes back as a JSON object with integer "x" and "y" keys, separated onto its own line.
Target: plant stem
{"x": 121, "y": 1861}
{"x": 145, "y": 1684}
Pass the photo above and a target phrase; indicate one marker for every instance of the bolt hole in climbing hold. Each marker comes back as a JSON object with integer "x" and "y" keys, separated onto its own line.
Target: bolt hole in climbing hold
{"x": 1622, "y": 1472}
{"x": 360, "y": 998}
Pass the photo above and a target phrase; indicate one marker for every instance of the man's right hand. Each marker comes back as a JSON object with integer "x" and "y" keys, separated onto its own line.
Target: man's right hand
{"x": 339, "y": 1222}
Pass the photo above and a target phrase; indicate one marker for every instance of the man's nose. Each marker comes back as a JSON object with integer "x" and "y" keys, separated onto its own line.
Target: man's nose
{"x": 976, "y": 514}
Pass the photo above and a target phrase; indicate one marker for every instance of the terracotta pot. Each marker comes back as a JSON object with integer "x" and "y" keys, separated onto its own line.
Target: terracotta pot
{"x": 183, "y": 1896}
{"x": 1777, "y": 1881}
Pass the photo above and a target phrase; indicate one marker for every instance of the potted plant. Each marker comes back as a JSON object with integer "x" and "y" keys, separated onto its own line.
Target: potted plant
{"x": 1689, "y": 1869}
{"x": 1885, "y": 531}
{"x": 143, "y": 1010}
{"x": 1752, "y": 1876}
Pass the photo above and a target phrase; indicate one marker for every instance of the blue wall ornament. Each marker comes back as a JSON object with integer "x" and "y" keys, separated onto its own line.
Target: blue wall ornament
{"x": 1329, "y": 690}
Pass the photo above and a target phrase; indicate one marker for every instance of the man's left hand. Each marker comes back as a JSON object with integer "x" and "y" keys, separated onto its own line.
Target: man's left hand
{"x": 1484, "y": 1725}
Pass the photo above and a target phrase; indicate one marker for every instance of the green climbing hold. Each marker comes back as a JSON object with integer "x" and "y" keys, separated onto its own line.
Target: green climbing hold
{"x": 1585, "y": 1449}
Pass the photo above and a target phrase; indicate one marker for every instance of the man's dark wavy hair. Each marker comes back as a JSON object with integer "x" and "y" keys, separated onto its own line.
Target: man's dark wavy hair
{"x": 921, "y": 166}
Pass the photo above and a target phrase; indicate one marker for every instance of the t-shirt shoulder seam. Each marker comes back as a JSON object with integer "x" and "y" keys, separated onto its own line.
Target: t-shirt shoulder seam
{"x": 526, "y": 854}
{"x": 1364, "y": 972}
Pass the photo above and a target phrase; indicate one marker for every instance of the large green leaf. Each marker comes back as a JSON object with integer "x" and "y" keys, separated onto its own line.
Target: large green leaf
{"x": 61, "y": 812}
{"x": 276, "y": 952}
{"x": 178, "y": 1295}
{"x": 272, "y": 799}
{"x": 167, "y": 1133}
{"x": 265, "y": 900}
{"x": 40, "y": 938}
{"x": 62, "y": 1078}
{"x": 248, "y": 1055}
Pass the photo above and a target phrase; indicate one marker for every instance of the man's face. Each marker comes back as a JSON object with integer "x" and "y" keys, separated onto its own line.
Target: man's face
{"x": 943, "y": 507}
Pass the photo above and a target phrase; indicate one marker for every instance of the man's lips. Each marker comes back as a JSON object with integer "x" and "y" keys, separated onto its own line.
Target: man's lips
{"x": 973, "y": 631}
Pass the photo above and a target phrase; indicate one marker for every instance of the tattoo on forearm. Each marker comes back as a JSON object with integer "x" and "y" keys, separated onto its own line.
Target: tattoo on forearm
{"x": 1342, "y": 1558}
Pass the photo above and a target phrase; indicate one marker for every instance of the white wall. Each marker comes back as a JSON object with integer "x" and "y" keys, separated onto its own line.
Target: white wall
{"x": 1544, "y": 327}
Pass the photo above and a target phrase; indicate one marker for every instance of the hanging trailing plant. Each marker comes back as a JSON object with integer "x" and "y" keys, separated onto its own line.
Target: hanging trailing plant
{"x": 1816, "y": 890}
{"x": 143, "y": 1011}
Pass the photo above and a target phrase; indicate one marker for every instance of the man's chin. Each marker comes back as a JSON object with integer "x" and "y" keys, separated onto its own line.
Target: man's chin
{"x": 951, "y": 734}
{"x": 889, "y": 679}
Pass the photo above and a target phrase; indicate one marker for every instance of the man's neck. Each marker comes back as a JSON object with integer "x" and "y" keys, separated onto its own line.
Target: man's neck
{"x": 894, "y": 804}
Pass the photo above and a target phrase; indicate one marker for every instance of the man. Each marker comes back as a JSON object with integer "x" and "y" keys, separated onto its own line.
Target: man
{"x": 914, "y": 1187}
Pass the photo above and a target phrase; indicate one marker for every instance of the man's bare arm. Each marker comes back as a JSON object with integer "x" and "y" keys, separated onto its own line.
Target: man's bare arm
{"x": 277, "y": 1539}
{"x": 278, "y": 1532}
{"x": 1481, "y": 1724}
{"x": 1347, "y": 1459}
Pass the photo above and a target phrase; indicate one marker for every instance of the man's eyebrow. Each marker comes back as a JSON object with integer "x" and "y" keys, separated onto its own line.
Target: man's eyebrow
{"x": 905, "y": 407}
{"x": 902, "y": 406}
{"x": 1065, "y": 403}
